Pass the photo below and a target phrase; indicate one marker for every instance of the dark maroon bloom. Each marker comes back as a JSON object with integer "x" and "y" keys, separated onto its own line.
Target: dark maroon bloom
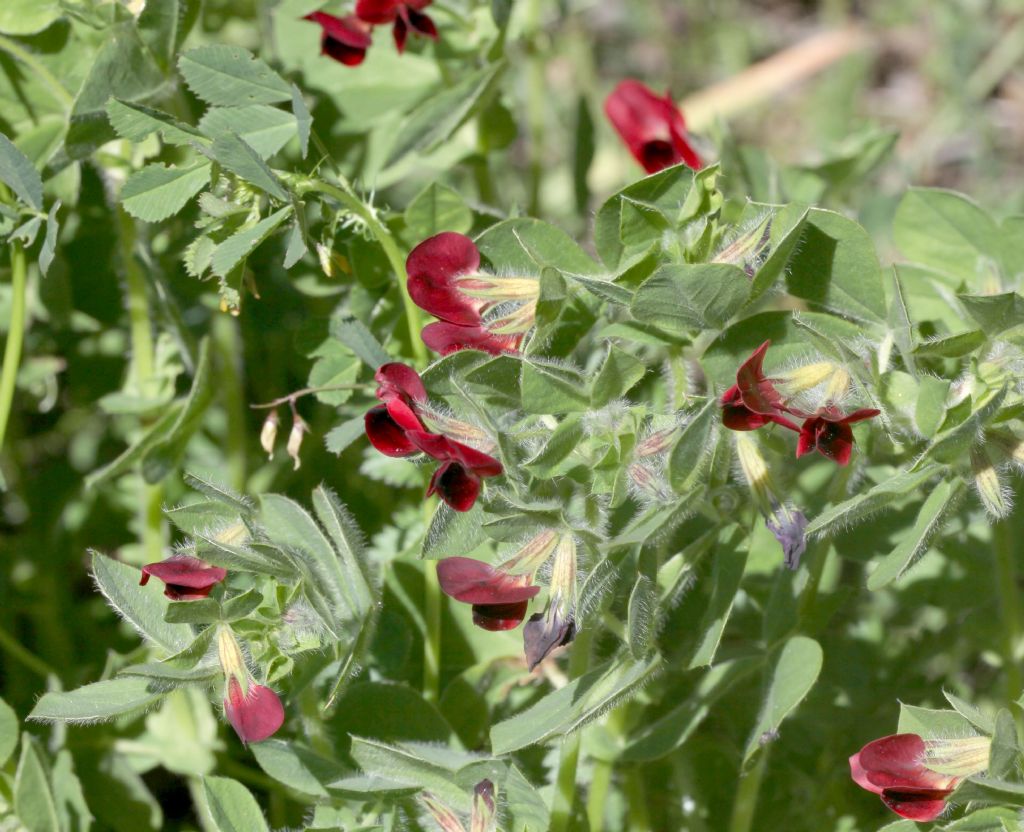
{"x": 444, "y": 338}
{"x": 401, "y": 389}
{"x": 185, "y": 578}
{"x": 457, "y": 481}
{"x": 476, "y": 310}
{"x": 499, "y": 599}
{"x": 544, "y": 632}
{"x": 406, "y": 15}
{"x": 254, "y": 714}
{"x": 753, "y": 401}
{"x": 345, "y": 39}
{"x": 895, "y": 768}
{"x": 829, "y": 432}
{"x": 651, "y": 126}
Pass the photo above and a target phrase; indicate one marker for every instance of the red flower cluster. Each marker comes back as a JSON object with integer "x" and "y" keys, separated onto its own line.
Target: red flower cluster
{"x": 753, "y": 401}
{"x": 185, "y": 578}
{"x": 395, "y": 429}
{"x": 445, "y": 280}
{"x": 896, "y": 769}
{"x": 652, "y": 127}
{"x": 346, "y": 39}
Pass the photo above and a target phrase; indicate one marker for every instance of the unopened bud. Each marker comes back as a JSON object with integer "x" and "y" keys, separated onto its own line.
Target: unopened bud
{"x": 299, "y": 427}
{"x": 750, "y": 249}
{"x": 755, "y": 471}
{"x": 233, "y": 535}
{"x": 331, "y": 261}
{"x": 655, "y": 443}
{"x": 989, "y": 484}
{"x": 268, "y": 433}
{"x": 442, "y": 815}
{"x": 532, "y": 555}
{"x": 484, "y": 817}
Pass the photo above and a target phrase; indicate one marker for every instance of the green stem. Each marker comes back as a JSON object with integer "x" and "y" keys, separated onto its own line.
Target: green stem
{"x": 597, "y": 797}
{"x": 10, "y": 645}
{"x": 636, "y": 796}
{"x": 744, "y": 805}
{"x": 350, "y": 200}
{"x": 432, "y": 609}
{"x": 565, "y": 783}
{"x": 19, "y": 53}
{"x": 1006, "y": 585}
{"x": 225, "y": 331}
{"x": 536, "y": 98}
{"x": 143, "y": 369}
{"x": 15, "y": 335}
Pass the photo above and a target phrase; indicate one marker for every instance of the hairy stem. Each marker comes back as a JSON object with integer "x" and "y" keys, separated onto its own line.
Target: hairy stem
{"x": 225, "y": 331}
{"x": 744, "y": 806}
{"x": 1006, "y": 586}
{"x": 565, "y": 783}
{"x": 432, "y": 609}
{"x": 15, "y": 335}
{"x": 347, "y": 197}
{"x": 13, "y": 648}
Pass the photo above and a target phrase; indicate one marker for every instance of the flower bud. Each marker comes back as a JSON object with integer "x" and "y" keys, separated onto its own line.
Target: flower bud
{"x": 750, "y": 249}
{"x": 484, "y": 817}
{"x": 989, "y": 483}
{"x": 299, "y": 427}
{"x": 442, "y": 815}
{"x": 268, "y": 433}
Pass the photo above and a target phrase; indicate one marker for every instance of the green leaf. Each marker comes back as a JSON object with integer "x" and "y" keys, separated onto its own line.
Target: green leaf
{"x": 166, "y": 453}
{"x": 692, "y": 450}
{"x": 877, "y": 498}
{"x": 973, "y": 714}
{"x": 354, "y": 334}
{"x": 524, "y": 246}
{"x": 97, "y": 702}
{"x": 995, "y": 313}
{"x": 408, "y": 765}
{"x": 196, "y": 611}
{"x": 135, "y": 122}
{"x": 643, "y": 603}
{"x": 683, "y": 298}
{"x": 49, "y": 248}
{"x": 930, "y": 407}
{"x": 239, "y": 158}
{"x": 341, "y": 436}
{"x": 915, "y": 543}
{"x": 932, "y": 723}
{"x": 619, "y": 373}
{"x": 144, "y": 607}
{"x": 230, "y": 76}
{"x": 787, "y": 227}
{"x": 26, "y": 17}
{"x": 232, "y": 807}
{"x": 348, "y": 543}
{"x": 573, "y": 705}
{"x": 951, "y": 445}
{"x": 238, "y": 246}
{"x": 1005, "y": 746}
{"x": 265, "y": 129}
{"x": 947, "y": 232}
{"x": 20, "y": 175}
{"x": 157, "y": 192}
{"x": 435, "y": 120}
{"x": 953, "y": 346}
{"x": 303, "y": 119}
{"x": 33, "y": 796}
{"x": 835, "y": 266}
{"x": 552, "y": 389}
{"x": 727, "y": 572}
{"x": 453, "y": 531}
{"x": 983, "y": 789}
{"x": 288, "y": 524}
{"x": 563, "y": 440}
{"x": 655, "y": 739}
{"x": 297, "y": 767}
{"x": 8, "y": 732}
{"x": 171, "y": 675}
{"x": 435, "y": 209}
{"x": 795, "y": 673}
{"x": 164, "y": 27}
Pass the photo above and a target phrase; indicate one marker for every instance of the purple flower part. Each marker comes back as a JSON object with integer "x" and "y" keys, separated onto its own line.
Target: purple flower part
{"x": 543, "y": 633}
{"x": 788, "y": 524}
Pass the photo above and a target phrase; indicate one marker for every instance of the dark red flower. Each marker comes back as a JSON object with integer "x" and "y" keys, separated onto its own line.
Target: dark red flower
{"x": 499, "y": 599}
{"x": 345, "y": 39}
{"x": 185, "y": 578}
{"x": 476, "y": 310}
{"x": 406, "y": 15}
{"x": 401, "y": 390}
{"x": 457, "y": 481}
{"x": 894, "y": 768}
{"x": 444, "y": 338}
{"x": 829, "y": 432}
{"x": 254, "y": 714}
{"x": 652, "y": 127}
{"x": 753, "y": 401}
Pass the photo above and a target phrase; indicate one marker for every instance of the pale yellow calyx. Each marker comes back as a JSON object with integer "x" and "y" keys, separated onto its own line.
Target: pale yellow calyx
{"x": 499, "y": 289}
{"x": 232, "y": 662}
{"x": 563, "y": 572}
{"x": 755, "y": 470}
{"x": 532, "y": 555}
{"x": 810, "y": 376}
{"x": 518, "y": 320}
{"x": 987, "y": 480}
{"x": 233, "y": 535}
{"x": 455, "y": 429}
{"x": 957, "y": 757}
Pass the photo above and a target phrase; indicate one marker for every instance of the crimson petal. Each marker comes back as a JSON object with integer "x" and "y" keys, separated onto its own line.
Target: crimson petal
{"x": 433, "y": 267}
{"x": 475, "y": 582}
{"x": 385, "y": 434}
{"x": 457, "y": 486}
{"x": 396, "y": 380}
{"x": 651, "y": 126}
{"x": 256, "y": 715}
{"x": 495, "y": 617}
{"x": 185, "y": 578}
{"x": 445, "y": 338}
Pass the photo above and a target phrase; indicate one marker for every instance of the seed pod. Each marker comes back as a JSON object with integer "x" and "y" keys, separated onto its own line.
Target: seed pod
{"x": 299, "y": 427}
